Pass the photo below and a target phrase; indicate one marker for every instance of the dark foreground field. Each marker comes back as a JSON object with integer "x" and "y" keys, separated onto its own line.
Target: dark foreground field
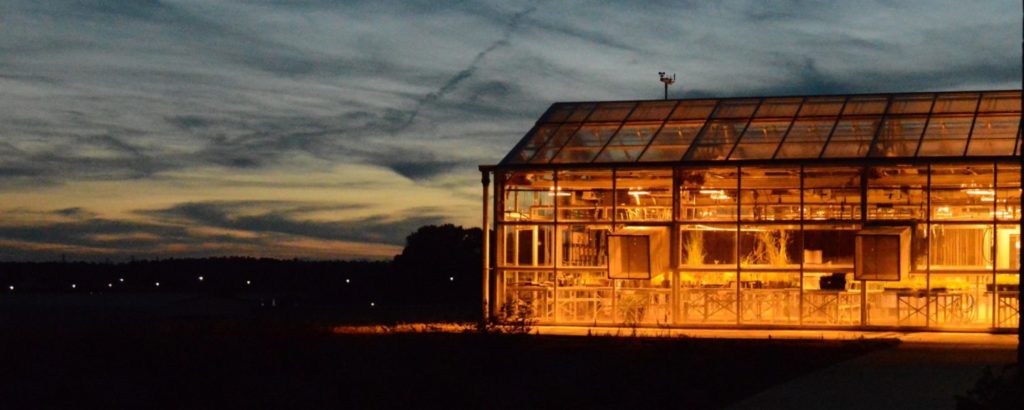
{"x": 216, "y": 364}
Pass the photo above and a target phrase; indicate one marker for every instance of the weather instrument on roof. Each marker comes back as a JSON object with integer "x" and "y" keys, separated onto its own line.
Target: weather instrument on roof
{"x": 667, "y": 80}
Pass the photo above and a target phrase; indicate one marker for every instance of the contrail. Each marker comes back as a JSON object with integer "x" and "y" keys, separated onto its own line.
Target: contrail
{"x": 467, "y": 72}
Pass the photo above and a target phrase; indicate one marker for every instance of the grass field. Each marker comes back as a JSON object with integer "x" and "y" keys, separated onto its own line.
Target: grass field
{"x": 75, "y": 359}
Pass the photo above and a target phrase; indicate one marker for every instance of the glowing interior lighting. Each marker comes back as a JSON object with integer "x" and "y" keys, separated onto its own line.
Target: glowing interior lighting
{"x": 1017, "y": 244}
{"x": 720, "y": 197}
{"x": 943, "y": 210}
{"x": 712, "y": 192}
{"x": 987, "y": 199}
{"x": 977, "y": 191}
{"x": 557, "y": 193}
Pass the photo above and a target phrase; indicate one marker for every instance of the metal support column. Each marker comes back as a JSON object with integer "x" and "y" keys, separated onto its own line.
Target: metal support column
{"x": 485, "y": 180}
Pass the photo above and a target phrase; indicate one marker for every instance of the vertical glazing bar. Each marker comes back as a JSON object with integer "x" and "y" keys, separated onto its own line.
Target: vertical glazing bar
{"x": 615, "y": 290}
{"x": 928, "y": 260}
{"x": 863, "y": 221}
{"x": 995, "y": 238}
{"x": 803, "y": 252}
{"x": 739, "y": 218}
{"x": 556, "y": 240}
{"x": 485, "y": 180}
{"x": 674, "y": 243}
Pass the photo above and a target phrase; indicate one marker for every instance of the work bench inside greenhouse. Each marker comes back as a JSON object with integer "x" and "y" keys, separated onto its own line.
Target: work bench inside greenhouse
{"x": 861, "y": 211}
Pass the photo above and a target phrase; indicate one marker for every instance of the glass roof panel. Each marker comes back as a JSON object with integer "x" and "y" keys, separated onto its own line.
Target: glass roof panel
{"x": 865, "y": 105}
{"x": 911, "y": 104}
{"x": 585, "y": 143}
{"x": 535, "y": 140}
{"x": 652, "y": 110}
{"x": 778, "y": 107}
{"x": 558, "y": 112}
{"x": 1000, "y": 102}
{"x": 760, "y": 139}
{"x": 581, "y": 112}
{"x": 628, "y": 143}
{"x": 993, "y": 135}
{"x": 693, "y": 110}
{"x": 899, "y": 136}
{"x": 946, "y": 134}
{"x": 807, "y": 138}
{"x": 672, "y": 141}
{"x": 851, "y": 138}
{"x": 958, "y": 103}
{"x": 555, "y": 143}
{"x": 613, "y": 111}
{"x": 821, "y": 106}
{"x": 716, "y": 140}
{"x": 736, "y": 108}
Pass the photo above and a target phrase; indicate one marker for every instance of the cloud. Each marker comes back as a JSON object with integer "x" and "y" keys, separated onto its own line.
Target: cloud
{"x": 393, "y": 103}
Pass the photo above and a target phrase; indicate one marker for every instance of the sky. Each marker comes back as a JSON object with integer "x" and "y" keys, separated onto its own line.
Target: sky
{"x": 332, "y": 129}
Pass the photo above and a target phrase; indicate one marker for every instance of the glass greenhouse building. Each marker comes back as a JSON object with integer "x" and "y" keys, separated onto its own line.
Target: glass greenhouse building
{"x": 859, "y": 211}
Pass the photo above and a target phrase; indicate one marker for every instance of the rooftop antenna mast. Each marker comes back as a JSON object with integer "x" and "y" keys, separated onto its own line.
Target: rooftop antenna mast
{"x": 667, "y": 80}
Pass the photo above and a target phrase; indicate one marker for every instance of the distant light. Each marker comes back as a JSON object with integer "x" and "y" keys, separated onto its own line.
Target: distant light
{"x": 248, "y": 282}
{"x": 73, "y": 286}
{"x": 201, "y": 278}
{"x": 451, "y": 279}
{"x": 11, "y": 287}
{"x": 347, "y": 281}
{"x": 110, "y": 285}
{"x": 372, "y": 304}
{"x": 120, "y": 279}
{"x": 157, "y": 284}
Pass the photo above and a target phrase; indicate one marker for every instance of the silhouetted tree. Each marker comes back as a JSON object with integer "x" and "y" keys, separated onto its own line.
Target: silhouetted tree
{"x": 439, "y": 265}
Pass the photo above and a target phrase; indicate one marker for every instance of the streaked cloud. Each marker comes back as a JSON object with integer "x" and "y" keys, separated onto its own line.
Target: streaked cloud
{"x": 205, "y": 126}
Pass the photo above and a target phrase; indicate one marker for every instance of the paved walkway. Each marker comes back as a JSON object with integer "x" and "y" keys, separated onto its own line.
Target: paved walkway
{"x": 910, "y": 376}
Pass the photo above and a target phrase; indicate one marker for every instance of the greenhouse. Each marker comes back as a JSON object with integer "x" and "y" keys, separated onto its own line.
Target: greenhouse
{"x": 858, "y": 211}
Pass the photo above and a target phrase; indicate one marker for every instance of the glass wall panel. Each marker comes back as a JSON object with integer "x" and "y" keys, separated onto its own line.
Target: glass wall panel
{"x": 528, "y": 196}
{"x": 899, "y": 136}
{"x": 644, "y": 302}
{"x": 898, "y": 303}
{"x": 644, "y": 195}
{"x": 832, "y": 193}
{"x": 851, "y": 138}
{"x": 897, "y": 193}
{"x": 672, "y": 141}
{"x": 961, "y": 247}
{"x": 960, "y": 300}
{"x": 584, "y": 297}
{"x": 611, "y": 112}
{"x": 770, "y": 246}
{"x": 585, "y": 143}
{"x": 1008, "y": 248}
{"x": 583, "y": 246}
{"x": 806, "y": 138}
{"x": 652, "y": 111}
{"x": 584, "y": 195}
{"x": 994, "y": 135}
{"x": 1008, "y": 192}
{"x": 1007, "y": 300}
{"x": 528, "y": 294}
{"x": 958, "y": 103}
{"x": 707, "y": 297}
{"x": 628, "y": 143}
{"x": 693, "y": 110}
{"x": 1000, "y": 101}
{"x": 911, "y": 104}
{"x": 717, "y": 139}
{"x": 946, "y": 136}
{"x": 962, "y": 193}
{"x": 784, "y": 108}
{"x": 829, "y": 247}
{"x": 831, "y": 298}
{"x": 707, "y": 246}
{"x": 537, "y": 138}
{"x": 555, "y": 143}
{"x": 558, "y": 113}
{"x": 761, "y": 139}
{"x": 770, "y": 193}
{"x": 581, "y": 112}
{"x": 865, "y": 105}
{"x": 769, "y": 297}
{"x": 708, "y": 194}
{"x": 528, "y": 245}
